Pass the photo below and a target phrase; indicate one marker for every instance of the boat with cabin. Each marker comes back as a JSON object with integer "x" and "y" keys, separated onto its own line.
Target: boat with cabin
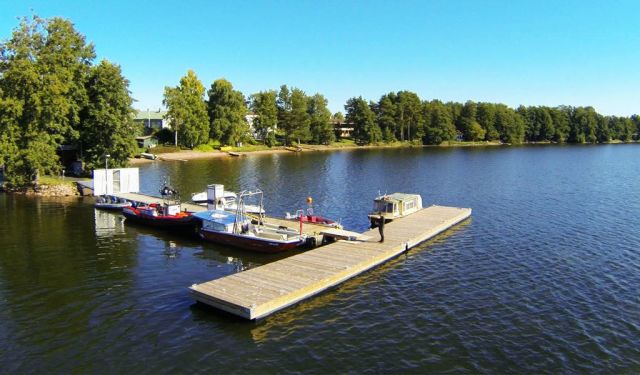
{"x": 242, "y": 230}
{"x": 228, "y": 201}
{"x": 393, "y": 206}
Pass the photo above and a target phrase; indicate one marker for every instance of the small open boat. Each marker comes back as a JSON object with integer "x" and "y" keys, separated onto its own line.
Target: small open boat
{"x": 239, "y": 230}
{"x": 311, "y": 218}
{"x": 160, "y": 215}
{"x": 111, "y": 203}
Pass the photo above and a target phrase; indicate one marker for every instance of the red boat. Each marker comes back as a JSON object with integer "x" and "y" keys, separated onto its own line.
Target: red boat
{"x": 309, "y": 217}
{"x": 162, "y": 216}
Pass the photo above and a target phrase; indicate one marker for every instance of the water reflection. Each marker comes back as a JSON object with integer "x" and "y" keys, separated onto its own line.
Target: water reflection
{"x": 108, "y": 224}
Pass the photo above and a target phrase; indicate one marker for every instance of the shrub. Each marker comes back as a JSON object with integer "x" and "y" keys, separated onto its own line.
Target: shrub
{"x": 203, "y": 148}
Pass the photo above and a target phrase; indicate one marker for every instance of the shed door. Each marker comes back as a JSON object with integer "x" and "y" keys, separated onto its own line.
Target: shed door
{"x": 116, "y": 182}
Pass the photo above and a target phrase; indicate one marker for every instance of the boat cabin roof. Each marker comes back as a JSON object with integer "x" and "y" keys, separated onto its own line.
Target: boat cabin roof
{"x": 222, "y": 217}
{"x": 397, "y": 197}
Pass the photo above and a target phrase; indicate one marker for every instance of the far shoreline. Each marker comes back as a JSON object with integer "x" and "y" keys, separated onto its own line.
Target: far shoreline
{"x": 186, "y": 155}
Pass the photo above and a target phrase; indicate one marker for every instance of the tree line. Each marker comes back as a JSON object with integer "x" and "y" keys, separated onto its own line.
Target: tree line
{"x": 52, "y": 93}
{"x": 396, "y": 116}
{"x": 403, "y": 116}
{"x": 288, "y": 114}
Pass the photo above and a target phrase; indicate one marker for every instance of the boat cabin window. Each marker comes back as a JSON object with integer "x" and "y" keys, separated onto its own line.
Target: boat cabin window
{"x": 383, "y": 206}
{"x": 409, "y": 205}
{"x": 214, "y": 226}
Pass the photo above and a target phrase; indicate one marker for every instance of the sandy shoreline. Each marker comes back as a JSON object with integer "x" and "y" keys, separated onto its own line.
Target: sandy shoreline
{"x": 186, "y": 155}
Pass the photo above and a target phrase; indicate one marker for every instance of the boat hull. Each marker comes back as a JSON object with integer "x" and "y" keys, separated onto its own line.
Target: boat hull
{"x": 168, "y": 222}
{"x": 313, "y": 219}
{"x": 261, "y": 245}
{"x": 112, "y": 206}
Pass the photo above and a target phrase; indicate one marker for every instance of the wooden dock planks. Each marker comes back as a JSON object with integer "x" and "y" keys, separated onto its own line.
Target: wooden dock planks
{"x": 261, "y": 291}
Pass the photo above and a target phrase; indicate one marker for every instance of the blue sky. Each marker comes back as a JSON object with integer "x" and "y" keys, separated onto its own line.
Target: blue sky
{"x": 512, "y": 52}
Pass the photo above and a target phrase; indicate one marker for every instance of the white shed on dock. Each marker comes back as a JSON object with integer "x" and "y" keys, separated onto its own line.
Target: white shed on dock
{"x": 116, "y": 180}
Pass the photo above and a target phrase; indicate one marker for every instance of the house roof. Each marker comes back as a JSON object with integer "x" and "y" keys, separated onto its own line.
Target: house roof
{"x": 153, "y": 115}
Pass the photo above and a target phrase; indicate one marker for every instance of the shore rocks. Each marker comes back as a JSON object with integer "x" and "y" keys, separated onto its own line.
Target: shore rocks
{"x": 62, "y": 190}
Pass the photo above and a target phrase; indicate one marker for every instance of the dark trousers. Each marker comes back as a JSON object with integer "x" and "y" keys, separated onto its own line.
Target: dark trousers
{"x": 381, "y": 229}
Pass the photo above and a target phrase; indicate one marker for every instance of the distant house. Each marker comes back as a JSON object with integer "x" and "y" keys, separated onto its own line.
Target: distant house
{"x": 341, "y": 128}
{"x": 147, "y": 141}
{"x": 249, "y": 117}
{"x": 152, "y": 119}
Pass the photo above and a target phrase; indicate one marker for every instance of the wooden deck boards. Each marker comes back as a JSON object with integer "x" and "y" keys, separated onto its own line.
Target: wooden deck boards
{"x": 263, "y": 290}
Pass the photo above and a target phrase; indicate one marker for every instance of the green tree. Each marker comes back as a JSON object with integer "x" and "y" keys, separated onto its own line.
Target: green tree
{"x": 107, "y": 120}
{"x": 438, "y": 123}
{"x": 300, "y": 120}
{"x": 622, "y": 128}
{"x": 408, "y": 115}
{"x": 455, "y": 110}
{"x": 365, "y": 129}
{"x": 538, "y": 122}
{"x": 471, "y": 129}
{"x": 10, "y": 135}
{"x": 583, "y": 123}
{"x": 509, "y": 124}
{"x": 43, "y": 68}
{"x": 320, "y": 120}
{"x": 605, "y": 129}
{"x": 187, "y": 111}
{"x": 263, "y": 105}
{"x": 227, "y": 110}
{"x": 635, "y": 119}
{"x": 560, "y": 118}
{"x": 486, "y": 117}
{"x": 285, "y": 120}
{"x": 385, "y": 111}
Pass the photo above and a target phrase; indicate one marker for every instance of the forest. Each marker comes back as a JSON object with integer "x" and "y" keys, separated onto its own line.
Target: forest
{"x": 54, "y": 94}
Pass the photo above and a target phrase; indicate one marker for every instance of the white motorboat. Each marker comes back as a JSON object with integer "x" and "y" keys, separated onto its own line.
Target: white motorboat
{"x": 228, "y": 200}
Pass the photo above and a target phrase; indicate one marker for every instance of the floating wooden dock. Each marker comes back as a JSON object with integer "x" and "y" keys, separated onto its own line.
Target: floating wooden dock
{"x": 260, "y": 291}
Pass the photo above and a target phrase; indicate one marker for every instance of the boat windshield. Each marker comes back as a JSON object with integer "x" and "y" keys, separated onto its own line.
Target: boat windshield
{"x": 383, "y": 206}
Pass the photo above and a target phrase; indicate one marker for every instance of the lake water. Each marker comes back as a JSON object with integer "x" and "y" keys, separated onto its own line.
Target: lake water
{"x": 543, "y": 278}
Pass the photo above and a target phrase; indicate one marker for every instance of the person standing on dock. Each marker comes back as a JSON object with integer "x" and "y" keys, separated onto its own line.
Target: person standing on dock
{"x": 381, "y": 226}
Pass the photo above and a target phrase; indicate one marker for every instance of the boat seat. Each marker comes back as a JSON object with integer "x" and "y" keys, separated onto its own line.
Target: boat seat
{"x": 273, "y": 236}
